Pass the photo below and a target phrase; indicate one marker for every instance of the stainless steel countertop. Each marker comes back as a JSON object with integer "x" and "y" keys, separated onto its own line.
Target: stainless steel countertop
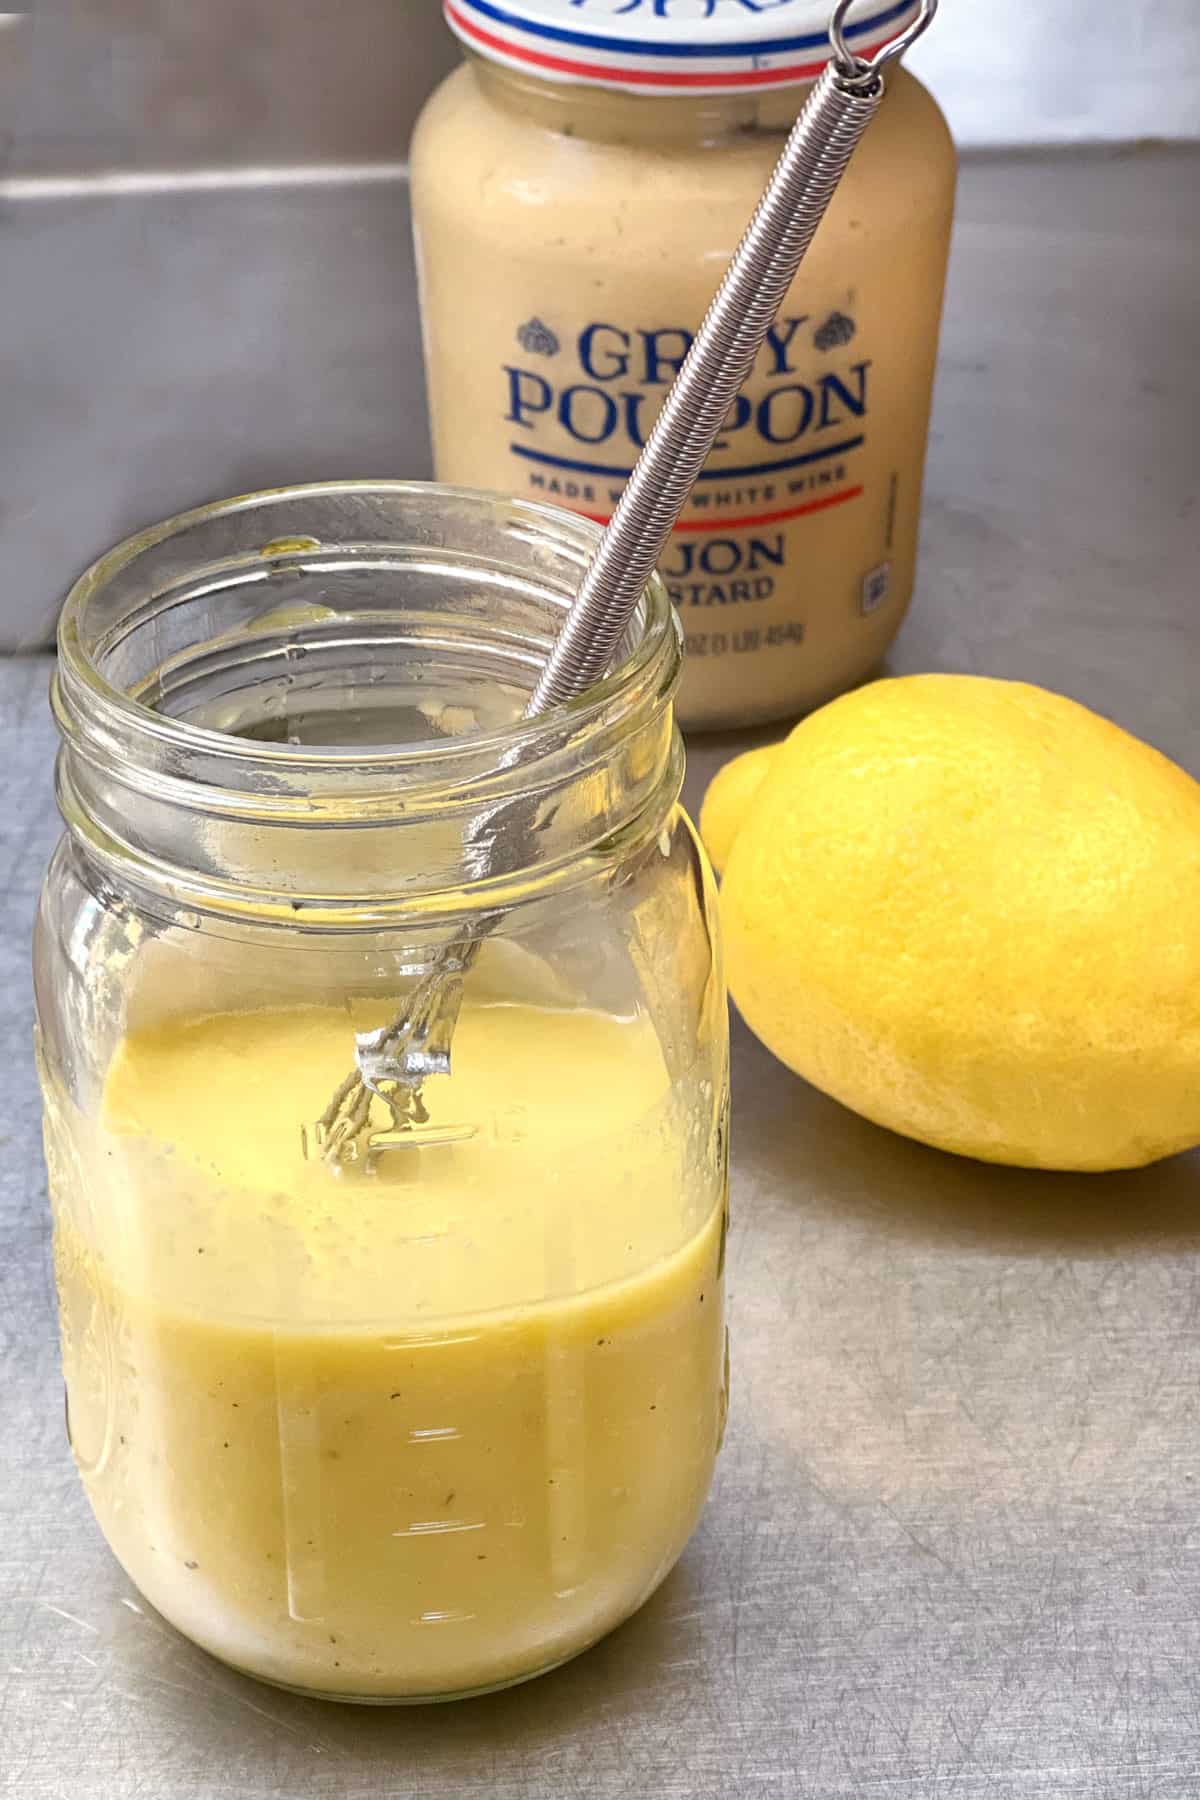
{"x": 953, "y": 1548}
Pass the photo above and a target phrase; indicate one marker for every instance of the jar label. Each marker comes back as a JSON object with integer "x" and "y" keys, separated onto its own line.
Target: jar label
{"x": 797, "y": 541}
{"x": 578, "y": 403}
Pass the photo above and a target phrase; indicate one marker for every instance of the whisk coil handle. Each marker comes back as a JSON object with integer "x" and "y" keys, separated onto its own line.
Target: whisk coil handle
{"x": 840, "y": 107}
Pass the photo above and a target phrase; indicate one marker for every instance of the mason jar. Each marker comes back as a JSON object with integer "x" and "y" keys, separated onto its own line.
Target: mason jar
{"x": 432, "y": 1413}
{"x": 579, "y": 184}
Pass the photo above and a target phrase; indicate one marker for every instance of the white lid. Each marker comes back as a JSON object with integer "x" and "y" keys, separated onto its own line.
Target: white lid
{"x": 670, "y": 46}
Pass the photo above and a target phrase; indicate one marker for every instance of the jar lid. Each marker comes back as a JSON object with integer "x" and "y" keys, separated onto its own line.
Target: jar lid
{"x": 670, "y": 46}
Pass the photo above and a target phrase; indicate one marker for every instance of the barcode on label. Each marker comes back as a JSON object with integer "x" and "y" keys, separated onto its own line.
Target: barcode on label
{"x": 875, "y": 585}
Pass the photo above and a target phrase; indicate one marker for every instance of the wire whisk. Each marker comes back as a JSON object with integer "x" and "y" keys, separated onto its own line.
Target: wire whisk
{"x": 393, "y": 1063}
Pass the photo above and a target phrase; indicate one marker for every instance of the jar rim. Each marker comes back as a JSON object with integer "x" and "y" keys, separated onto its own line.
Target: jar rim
{"x": 79, "y": 665}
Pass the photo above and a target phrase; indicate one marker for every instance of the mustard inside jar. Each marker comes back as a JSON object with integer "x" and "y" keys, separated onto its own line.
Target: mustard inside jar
{"x": 579, "y": 185}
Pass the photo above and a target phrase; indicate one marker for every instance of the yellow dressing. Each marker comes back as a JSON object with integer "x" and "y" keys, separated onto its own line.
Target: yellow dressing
{"x": 412, "y": 1432}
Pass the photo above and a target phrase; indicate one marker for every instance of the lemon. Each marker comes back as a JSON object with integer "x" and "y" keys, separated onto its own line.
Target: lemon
{"x": 970, "y": 910}
{"x": 728, "y": 799}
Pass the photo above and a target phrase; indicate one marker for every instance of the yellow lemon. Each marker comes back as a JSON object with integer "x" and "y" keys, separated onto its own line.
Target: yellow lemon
{"x": 728, "y": 799}
{"x": 970, "y": 910}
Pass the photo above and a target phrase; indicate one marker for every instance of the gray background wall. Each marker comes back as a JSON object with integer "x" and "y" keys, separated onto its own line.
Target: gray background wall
{"x": 1013, "y": 72}
{"x": 205, "y": 276}
{"x": 147, "y": 84}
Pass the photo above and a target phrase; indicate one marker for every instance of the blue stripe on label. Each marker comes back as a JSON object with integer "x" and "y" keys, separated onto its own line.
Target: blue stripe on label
{"x": 722, "y": 474}
{"x": 630, "y": 46}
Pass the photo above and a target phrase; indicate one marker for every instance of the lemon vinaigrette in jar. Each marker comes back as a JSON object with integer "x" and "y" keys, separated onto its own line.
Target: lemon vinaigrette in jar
{"x": 579, "y": 185}
{"x": 436, "y": 1417}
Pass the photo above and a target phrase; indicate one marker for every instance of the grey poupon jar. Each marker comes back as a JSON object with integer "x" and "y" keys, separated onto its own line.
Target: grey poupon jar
{"x": 578, "y": 187}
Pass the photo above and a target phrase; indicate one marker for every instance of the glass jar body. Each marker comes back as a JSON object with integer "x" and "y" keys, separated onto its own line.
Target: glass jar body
{"x": 437, "y": 1419}
{"x": 604, "y": 221}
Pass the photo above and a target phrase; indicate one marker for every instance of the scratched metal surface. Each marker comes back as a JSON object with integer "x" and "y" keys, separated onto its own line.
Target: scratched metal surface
{"x": 953, "y": 1545}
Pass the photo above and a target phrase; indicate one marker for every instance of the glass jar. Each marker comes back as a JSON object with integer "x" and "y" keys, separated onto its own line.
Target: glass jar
{"x": 434, "y": 1419}
{"x": 578, "y": 186}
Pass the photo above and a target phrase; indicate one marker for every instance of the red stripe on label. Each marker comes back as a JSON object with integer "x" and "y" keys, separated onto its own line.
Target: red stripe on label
{"x": 749, "y": 519}
{"x": 622, "y": 76}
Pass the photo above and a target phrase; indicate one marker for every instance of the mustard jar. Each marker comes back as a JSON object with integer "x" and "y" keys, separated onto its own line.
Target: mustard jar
{"x": 578, "y": 185}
